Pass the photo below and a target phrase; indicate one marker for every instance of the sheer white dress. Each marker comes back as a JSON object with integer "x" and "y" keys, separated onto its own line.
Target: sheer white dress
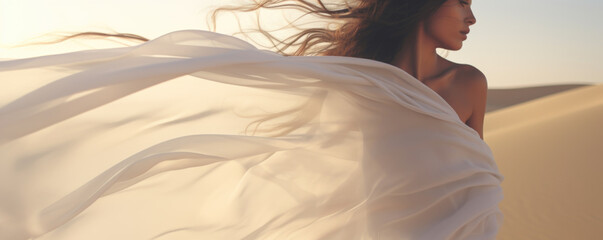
{"x": 198, "y": 135}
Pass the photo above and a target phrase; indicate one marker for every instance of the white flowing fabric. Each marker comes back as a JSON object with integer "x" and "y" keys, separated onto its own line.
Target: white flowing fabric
{"x": 198, "y": 135}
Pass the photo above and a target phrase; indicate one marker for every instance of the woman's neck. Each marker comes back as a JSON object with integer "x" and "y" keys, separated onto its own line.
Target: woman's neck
{"x": 418, "y": 56}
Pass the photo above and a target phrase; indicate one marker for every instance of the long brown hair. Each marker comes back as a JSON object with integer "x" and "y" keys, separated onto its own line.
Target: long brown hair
{"x": 372, "y": 29}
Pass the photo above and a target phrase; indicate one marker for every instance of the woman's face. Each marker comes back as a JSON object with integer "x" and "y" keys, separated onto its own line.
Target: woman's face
{"x": 449, "y": 25}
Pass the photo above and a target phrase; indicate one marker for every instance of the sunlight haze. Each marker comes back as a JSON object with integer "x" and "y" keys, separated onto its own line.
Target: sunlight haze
{"x": 515, "y": 43}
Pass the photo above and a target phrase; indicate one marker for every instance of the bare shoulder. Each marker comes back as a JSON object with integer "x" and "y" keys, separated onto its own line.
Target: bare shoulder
{"x": 471, "y": 83}
{"x": 469, "y": 76}
{"x": 465, "y": 75}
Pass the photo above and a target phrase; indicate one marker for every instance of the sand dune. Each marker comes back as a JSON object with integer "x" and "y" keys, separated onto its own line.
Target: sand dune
{"x": 502, "y": 98}
{"x": 550, "y": 151}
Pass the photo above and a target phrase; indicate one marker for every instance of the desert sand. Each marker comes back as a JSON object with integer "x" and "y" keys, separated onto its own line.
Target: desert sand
{"x": 499, "y": 98}
{"x": 550, "y": 150}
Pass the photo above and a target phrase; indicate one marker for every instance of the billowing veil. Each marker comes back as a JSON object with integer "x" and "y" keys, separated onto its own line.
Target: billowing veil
{"x": 198, "y": 135}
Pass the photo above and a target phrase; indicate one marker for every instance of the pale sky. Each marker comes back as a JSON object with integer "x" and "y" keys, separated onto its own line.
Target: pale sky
{"x": 515, "y": 43}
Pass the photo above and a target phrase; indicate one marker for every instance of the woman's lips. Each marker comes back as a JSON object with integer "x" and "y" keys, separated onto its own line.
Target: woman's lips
{"x": 464, "y": 33}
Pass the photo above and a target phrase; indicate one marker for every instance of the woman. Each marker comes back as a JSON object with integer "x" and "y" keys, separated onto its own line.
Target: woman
{"x": 404, "y": 34}
{"x": 148, "y": 142}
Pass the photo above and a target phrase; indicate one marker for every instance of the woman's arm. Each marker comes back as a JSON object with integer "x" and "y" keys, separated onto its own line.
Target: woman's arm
{"x": 477, "y": 91}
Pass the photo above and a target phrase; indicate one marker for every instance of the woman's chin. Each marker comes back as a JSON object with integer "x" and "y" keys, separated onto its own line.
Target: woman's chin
{"x": 454, "y": 47}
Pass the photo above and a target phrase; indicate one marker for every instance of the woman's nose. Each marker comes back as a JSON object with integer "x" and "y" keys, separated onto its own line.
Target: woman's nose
{"x": 471, "y": 18}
